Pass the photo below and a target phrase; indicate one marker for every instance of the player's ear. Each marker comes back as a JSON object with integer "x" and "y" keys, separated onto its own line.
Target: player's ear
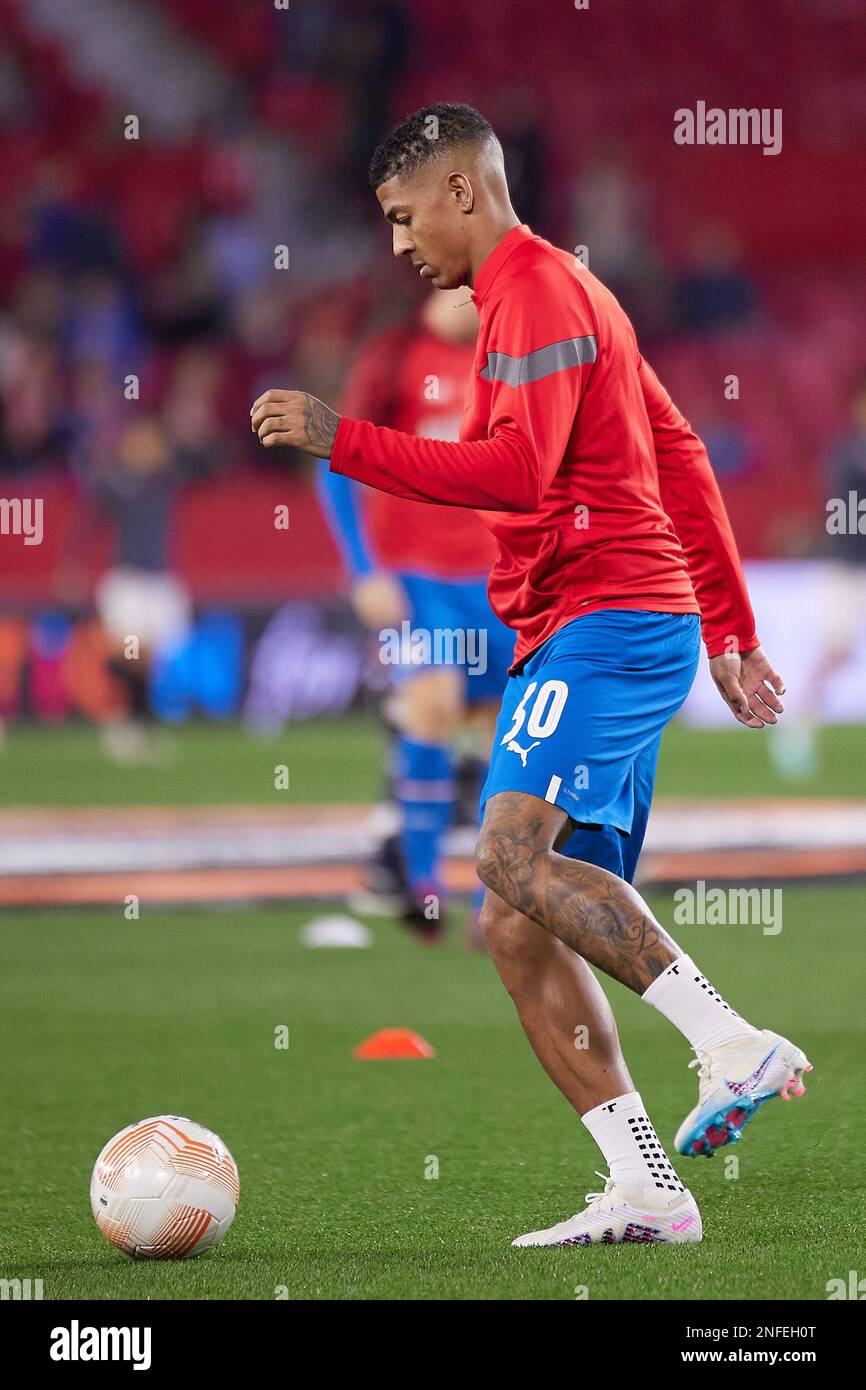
{"x": 461, "y": 191}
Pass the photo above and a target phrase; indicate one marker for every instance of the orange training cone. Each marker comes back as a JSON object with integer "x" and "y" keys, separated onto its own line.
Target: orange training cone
{"x": 393, "y": 1042}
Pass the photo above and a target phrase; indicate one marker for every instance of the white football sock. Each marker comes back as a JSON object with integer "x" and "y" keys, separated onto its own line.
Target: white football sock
{"x": 688, "y": 1000}
{"x": 631, "y": 1147}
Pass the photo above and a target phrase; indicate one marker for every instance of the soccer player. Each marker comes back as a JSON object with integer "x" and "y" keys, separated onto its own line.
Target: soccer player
{"x": 428, "y": 566}
{"x": 614, "y": 552}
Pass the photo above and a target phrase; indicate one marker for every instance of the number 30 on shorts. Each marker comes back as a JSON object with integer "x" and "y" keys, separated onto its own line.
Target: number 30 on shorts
{"x": 545, "y": 713}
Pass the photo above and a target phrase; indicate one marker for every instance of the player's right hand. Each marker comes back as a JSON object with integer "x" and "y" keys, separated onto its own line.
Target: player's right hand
{"x": 379, "y": 601}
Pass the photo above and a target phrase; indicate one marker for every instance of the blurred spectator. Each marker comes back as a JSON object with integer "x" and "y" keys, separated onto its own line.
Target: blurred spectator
{"x": 847, "y": 475}
{"x": 369, "y": 56}
{"x": 64, "y": 234}
{"x": 521, "y": 133}
{"x": 32, "y": 427}
{"x": 97, "y": 411}
{"x": 733, "y": 449}
{"x": 102, "y": 324}
{"x": 714, "y": 292}
{"x": 612, "y": 219}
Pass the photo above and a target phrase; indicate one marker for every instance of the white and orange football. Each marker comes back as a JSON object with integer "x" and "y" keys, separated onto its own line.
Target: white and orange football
{"x": 164, "y": 1189}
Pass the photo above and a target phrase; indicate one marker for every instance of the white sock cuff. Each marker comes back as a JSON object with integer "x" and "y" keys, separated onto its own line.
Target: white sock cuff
{"x": 631, "y": 1101}
{"x": 687, "y": 999}
{"x": 635, "y": 1157}
{"x": 677, "y": 968}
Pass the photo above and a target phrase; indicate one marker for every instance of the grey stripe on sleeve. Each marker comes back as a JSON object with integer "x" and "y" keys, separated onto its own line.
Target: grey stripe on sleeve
{"x": 557, "y": 357}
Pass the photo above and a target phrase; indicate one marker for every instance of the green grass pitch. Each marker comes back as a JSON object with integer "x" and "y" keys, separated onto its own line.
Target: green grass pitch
{"x": 104, "y": 1021}
{"x": 340, "y": 760}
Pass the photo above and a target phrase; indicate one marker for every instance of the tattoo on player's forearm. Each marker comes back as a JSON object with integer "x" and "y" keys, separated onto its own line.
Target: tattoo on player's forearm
{"x": 598, "y": 915}
{"x": 320, "y": 423}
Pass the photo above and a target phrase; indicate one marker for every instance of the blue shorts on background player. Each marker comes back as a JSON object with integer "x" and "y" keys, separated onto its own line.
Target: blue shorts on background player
{"x": 448, "y": 624}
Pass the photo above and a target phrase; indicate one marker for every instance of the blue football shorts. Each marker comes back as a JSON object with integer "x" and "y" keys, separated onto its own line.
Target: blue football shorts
{"x": 463, "y": 631}
{"x": 581, "y": 725}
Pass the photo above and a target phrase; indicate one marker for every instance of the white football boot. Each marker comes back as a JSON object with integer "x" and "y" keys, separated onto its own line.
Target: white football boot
{"x": 734, "y": 1082}
{"x": 617, "y": 1216}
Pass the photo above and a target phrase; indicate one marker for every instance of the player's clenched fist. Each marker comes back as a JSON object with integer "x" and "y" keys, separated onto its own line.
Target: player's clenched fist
{"x": 297, "y": 419}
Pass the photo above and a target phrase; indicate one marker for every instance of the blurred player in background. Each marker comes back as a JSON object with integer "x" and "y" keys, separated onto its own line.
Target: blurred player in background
{"x": 144, "y": 607}
{"x": 427, "y": 565}
{"x": 796, "y": 754}
{"x": 615, "y": 554}
{"x": 847, "y": 539}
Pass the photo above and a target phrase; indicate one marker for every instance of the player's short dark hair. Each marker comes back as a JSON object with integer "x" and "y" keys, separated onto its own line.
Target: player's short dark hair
{"x": 426, "y": 135}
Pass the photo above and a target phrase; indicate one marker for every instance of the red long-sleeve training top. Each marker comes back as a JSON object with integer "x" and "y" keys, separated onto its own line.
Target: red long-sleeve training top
{"x": 596, "y": 489}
